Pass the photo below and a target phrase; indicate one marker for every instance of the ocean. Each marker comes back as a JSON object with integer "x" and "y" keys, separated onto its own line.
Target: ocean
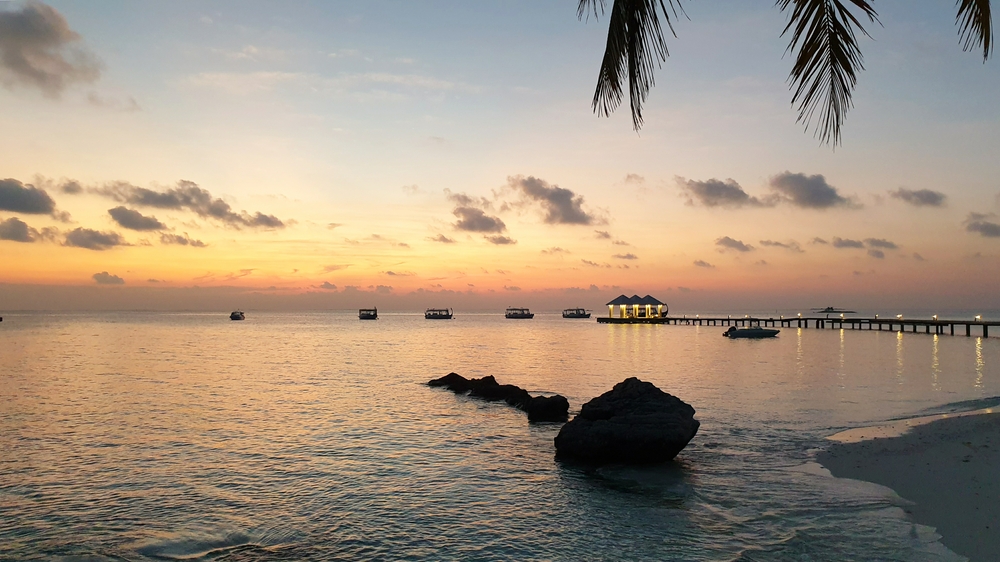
{"x": 311, "y": 436}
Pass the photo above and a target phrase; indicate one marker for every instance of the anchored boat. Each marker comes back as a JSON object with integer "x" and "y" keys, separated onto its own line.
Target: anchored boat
{"x": 237, "y": 315}
{"x": 576, "y": 313}
{"x": 438, "y": 314}
{"x": 518, "y": 313}
{"x": 753, "y": 331}
{"x": 368, "y": 314}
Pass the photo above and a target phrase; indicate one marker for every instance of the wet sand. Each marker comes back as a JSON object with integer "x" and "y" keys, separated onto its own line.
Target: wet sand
{"x": 948, "y": 468}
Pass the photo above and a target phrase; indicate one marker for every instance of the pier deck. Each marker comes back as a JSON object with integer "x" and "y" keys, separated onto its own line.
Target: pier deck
{"x": 880, "y": 324}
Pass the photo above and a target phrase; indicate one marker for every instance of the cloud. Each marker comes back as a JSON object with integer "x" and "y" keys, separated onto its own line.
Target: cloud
{"x": 808, "y": 192}
{"x": 471, "y": 219}
{"x": 717, "y": 193}
{"x": 181, "y": 240}
{"x": 555, "y": 250}
{"x": 976, "y": 222}
{"x": 761, "y": 263}
{"x": 382, "y": 289}
{"x": 595, "y": 264}
{"x": 880, "y": 243}
{"x": 920, "y": 197}
{"x": 500, "y": 240}
{"x": 463, "y": 200}
{"x": 335, "y": 267}
{"x": 512, "y": 288}
{"x": 71, "y": 187}
{"x": 818, "y": 240}
{"x": 702, "y": 263}
{"x": 105, "y": 278}
{"x": 15, "y": 230}
{"x": 877, "y": 254}
{"x": 634, "y": 178}
{"x": 400, "y": 273}
{"x": 328, "y": 286}
{"x": 134, "y": 220}
{"x": 442, "y": 239}
{"x": 625, "y": 256}
{"x": 847, "y": 243}
{"x": 333, "y": 225}
{"x": 793, "y": 246}
{"x": 918, "y": 257}
{"x": 561, "y": 205}
{"x": 127, "y": 105}
{"x": 412, "y": 189}
{"x": 731, "y": 244}
{"x": 38, "y": 49}
{"x": 188, "y": 195}
{"x": 93, "y": 240}
{"x": 602, "y": 234}
{"x": 20, "y": 198}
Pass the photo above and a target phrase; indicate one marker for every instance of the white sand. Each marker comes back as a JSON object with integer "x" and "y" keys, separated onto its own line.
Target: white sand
{"x": 949, "y": 468}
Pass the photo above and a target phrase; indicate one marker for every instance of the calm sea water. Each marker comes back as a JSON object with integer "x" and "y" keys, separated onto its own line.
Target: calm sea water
{"x": 147, "y": 436}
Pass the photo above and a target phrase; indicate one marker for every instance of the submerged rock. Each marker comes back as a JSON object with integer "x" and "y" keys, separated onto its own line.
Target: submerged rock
{"x": 634, "y": 422}
{"x": 538, "y": 408}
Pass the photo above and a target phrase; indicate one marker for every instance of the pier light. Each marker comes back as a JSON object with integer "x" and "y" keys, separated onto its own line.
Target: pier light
{"x": 979, "y": 318}
{"x": 876, "y": 316}
{"x": 800, "y": 315}
{"x": 841, "y": 315}
{"x": 899, "y": 316}
{"x": 934, "y": 317}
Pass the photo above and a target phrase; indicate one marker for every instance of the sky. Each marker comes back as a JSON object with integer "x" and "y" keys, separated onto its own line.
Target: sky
{"x": 405, "y": 154}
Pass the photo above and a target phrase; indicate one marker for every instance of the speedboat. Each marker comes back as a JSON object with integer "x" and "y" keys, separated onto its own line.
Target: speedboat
{"x": 576, "y": 313}
{"x": 751, "y": 332}
{"x": 368, "y": 314}
{"x": 237, "y": 315}
{"x": 438, "y": 314}
{"x": 513, "y": 312}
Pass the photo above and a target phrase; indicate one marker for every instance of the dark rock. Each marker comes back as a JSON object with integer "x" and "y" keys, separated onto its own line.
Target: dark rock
{"x": 634, "y": 422}
{"x": 539, "y": 408}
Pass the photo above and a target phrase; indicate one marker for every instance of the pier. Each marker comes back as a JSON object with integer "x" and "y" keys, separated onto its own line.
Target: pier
{"x": 898, "y": 324}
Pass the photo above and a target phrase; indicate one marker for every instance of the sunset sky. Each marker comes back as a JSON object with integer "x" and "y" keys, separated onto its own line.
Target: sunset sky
{"x": 212, "y": 155}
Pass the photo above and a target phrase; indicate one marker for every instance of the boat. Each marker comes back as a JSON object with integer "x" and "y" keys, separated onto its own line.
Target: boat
{"x": 438, "y": 314}
{"x": 368, "y": 314}
{"x": 576, "y": 313}
{"x": 832, "y": 310}
{"x": 514, "y": 312}
{"x": 753, "y": 331}
{"x": 237, "y": 315}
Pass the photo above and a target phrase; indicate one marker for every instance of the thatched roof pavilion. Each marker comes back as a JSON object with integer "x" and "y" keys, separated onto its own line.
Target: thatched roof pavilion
{"x": 637, "y": 307}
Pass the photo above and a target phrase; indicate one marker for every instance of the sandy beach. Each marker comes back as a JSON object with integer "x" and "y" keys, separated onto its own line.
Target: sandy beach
{"x": 948, "y": 468}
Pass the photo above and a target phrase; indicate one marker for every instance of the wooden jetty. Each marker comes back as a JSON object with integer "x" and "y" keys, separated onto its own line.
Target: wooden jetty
{"x": 897, "y": 324}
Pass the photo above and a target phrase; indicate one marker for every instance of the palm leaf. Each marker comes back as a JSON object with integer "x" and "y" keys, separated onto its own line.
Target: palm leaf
{"x": 635, "y": 47}
{"x": 827, "y": 60}
{"x": 975, "y": 24}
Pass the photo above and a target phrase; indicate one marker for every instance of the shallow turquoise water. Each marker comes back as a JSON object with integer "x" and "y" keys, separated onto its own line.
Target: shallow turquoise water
{"x": 310, "y": 436}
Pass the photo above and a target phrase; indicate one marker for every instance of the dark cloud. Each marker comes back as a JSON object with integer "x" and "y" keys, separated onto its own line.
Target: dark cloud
{"x": 620, "y": 243}
{"x": 793, "y": 246}
{"x": 187, "y": 195}
{"x": 328, "y": 286}
{"x": 595, "y": 264}
{"x": 877, "y": 254}
{"x": 717, "y": 193}
{"x": 818, "y": 240}
{"x": 20, "y": 198}
{"x": 920, "y": 197}
{"x": 400, "y": 273}
{"x": 181, "y": 240}
{"x": 38, "y": 49}
{"x": 442, "y": 239}
{"x": 71, "y": 187}
{"x": 808, "y": 192}
{"x": 702, "y": 263}
{"x": 561, "y": 205}
{"x": 134, "y": 220}
{"x": 847, "y": 243}
{"x": 976, "y": 222}
{"x": 93, "y": 240}
{"x": 463, "y": 200}
{"x": 731, "y": 244}
{"x": 603, "y": 234}
{"x": 625, "y": 257}
{"x": 881, "y": 243}
{"x": 105, "y": 278}
{"x": 472, "y": 219}
{"x": 500, "y": 240}
{"x": 15, "y": 230}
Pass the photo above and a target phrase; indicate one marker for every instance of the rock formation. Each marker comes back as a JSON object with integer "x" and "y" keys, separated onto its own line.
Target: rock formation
{"x": 538, "y": 408}
{"x": 634, "y": 422}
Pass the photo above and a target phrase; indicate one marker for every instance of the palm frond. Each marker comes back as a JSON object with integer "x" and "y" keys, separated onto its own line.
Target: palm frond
{"x": 635, "y": 47}
{"x": 975, "y": 24}
{"x": 827, "y": 62}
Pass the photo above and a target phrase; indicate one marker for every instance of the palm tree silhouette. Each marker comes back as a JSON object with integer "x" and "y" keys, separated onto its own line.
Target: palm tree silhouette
{"x": 823, "y": 39}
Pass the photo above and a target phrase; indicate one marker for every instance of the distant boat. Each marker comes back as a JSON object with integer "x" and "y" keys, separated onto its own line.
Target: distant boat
{"x": 368, "y": 314}
{"x": 754, "y": 331}
{"x": 832, "y": 310}
{"x": 237, "y": 315}
{"x": 514, "y": 312}
{"x": 438, "y": 314}
{"x": 576, "y": 313}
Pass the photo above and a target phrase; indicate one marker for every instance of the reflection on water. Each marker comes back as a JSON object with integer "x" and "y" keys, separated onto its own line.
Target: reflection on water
{"x": 311, "y": 436}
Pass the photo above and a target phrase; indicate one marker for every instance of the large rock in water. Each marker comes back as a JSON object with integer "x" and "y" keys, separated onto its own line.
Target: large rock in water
{"x": 634, "y": 422}
{"x": 538, "y": 408}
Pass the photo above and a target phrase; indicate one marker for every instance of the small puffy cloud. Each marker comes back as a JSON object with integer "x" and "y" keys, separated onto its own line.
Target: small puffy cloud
{"x": 400, "y": 273}
{"x": 877, "y": 254}
{"x": 977, "y": 222}
{"x": 20, "y": 198}
{"x": 728, "y": 243}
{"x": 881, "y": 243}
{"x": 335, "y": 267}
{"x": 134, "y": 220}
{"x": 442, "y": 239}
{"x": 595, "y": 264}
{"x": 625, "y": 257}
{"x": 328, "y": 286}
{"x": 105, "y": 278}
{"x": 792, "y": 246}
{"x": 718, "y": 193}
{"x": 818, "y": 240}
{"x": 471, "y": 219}
{"x": 153, "y": 281}
{"x": 919, "y": 197}
{"x": 15, "y": 230}
{"x": 847, "y": 243}
{"x": 561, "y": 205}
{"x": 333, "y": 225}
{"x": 513, "y": 289}
{"x": 463, "y": 200}
{"x": 555, "y": 250}
{"x": 181, "y": 240}
{"x": 634, "y": 178}
{"x": 500, "y": 240}
{"x": 93, "y": 239}
{"x": 705, "y": 264}
{"x": 602, "y": 234}
{"x": 918, "y": 257}
{"x": 383, "y": 289}
{"x": 71, "y": 187}
{"x": 808, "y": 192}
{"x": 38, "y": 49}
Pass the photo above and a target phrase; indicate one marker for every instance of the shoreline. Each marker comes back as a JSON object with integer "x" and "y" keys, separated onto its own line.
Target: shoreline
{"x": 948, "y": 467}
